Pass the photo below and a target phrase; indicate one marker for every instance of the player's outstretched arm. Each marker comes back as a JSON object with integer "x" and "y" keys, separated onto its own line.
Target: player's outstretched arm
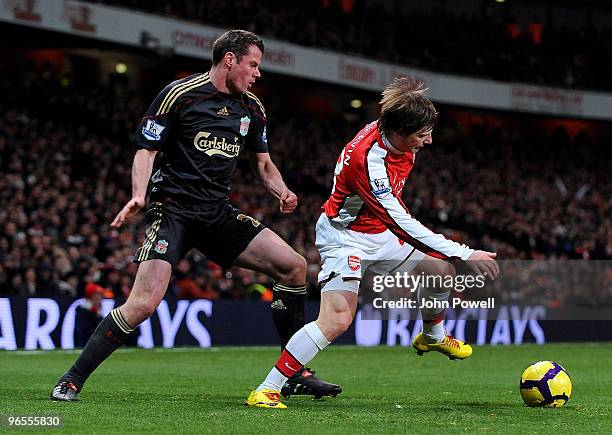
{"x": 266, "y": 170}
{"x": 141, "y": 173}
{"x": 390, "y": 211}
{"x": 409, "y": 229}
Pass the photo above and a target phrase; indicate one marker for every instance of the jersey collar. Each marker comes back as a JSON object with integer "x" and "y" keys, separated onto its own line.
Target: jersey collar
{"x": 388, "y": 145}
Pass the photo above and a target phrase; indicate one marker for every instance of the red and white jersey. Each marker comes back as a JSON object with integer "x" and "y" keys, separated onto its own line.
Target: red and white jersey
{"x": 368, "y": 182}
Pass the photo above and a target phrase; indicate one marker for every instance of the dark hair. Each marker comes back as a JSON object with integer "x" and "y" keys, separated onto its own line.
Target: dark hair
{"x": 236, "y": 41}
{"x": 405, "y": 109}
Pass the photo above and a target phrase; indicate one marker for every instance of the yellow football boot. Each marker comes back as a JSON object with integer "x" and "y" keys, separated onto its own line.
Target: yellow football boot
{"x": 450, "y": 346}
{"x": 265, "y": 398}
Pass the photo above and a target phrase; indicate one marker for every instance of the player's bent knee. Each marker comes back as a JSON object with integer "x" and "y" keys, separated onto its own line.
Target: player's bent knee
{"x": 302, "y": 264}
{"x": 299, "y": 266}
{"x": 293, "y": 271}
{"x": 442, "y": 268}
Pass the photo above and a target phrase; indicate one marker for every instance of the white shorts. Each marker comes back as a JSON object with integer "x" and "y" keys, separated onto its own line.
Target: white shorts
{"x": 343, "y": 251}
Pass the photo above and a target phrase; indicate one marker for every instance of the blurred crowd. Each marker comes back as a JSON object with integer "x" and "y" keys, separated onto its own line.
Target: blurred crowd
{"x": 481, "y": 44}
{"x": 65, "y": 163}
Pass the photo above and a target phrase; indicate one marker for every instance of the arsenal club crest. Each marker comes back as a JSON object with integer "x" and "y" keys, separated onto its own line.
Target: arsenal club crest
{"x": 354, "y": 263}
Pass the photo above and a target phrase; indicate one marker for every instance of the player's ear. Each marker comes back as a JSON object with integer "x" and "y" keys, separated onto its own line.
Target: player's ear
{"x": 230, "y": 59}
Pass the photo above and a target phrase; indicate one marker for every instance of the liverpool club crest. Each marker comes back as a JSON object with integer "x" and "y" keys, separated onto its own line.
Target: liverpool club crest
{"x": 244, "y": 125}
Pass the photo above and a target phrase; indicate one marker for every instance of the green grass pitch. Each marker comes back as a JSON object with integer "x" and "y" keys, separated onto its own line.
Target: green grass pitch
{"x": 386, "y": 390}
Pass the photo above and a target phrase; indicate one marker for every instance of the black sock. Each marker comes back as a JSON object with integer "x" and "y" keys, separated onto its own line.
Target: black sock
{"x": 108, "y": 336}
{"x": 288, "y": 310}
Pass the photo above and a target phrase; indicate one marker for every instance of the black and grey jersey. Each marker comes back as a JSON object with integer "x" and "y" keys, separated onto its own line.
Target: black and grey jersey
{"x": 199, "y": 132}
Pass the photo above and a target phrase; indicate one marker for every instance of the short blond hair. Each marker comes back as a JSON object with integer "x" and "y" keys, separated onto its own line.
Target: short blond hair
{"x": 405, "y": 109}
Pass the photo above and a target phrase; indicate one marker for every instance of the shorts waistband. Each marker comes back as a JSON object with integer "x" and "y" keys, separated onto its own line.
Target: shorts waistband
{"x": 196, "y": 208}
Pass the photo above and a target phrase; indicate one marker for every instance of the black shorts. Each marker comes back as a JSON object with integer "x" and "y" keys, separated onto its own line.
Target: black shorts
{"x": 218, "y": 230}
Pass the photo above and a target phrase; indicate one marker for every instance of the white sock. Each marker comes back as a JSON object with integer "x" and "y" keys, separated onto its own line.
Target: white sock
{"x": 300, "y": 350}
{"x": 433, "y": 332}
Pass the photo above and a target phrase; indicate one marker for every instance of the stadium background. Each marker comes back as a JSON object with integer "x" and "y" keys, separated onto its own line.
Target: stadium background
{"x": 520, "y": 163}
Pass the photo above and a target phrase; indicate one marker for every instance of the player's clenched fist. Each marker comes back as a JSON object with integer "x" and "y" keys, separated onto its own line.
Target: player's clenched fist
{"x": 133, "y": 206}
{"x": 483, "y": 263}
{"x": 288, "y": 201}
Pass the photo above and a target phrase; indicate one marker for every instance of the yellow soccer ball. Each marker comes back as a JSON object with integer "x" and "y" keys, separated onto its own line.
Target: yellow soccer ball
{"x": 546, "y": 384}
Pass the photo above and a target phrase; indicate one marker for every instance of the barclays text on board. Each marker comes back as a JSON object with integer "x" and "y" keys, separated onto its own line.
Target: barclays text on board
{"x": 49, "y": 323}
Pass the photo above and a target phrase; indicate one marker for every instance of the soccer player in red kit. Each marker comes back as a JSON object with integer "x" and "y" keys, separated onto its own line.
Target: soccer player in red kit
{"x": 365, "y": 219}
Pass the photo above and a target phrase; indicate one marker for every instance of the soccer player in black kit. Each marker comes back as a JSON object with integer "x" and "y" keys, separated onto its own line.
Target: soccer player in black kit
{"x": 198, "y": 125}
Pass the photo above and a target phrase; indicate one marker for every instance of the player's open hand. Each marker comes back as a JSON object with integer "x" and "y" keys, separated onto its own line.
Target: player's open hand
{"x": 133, "y": 206}
{"x": 288, "y": 201}
{"x": 483, "y": 263}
